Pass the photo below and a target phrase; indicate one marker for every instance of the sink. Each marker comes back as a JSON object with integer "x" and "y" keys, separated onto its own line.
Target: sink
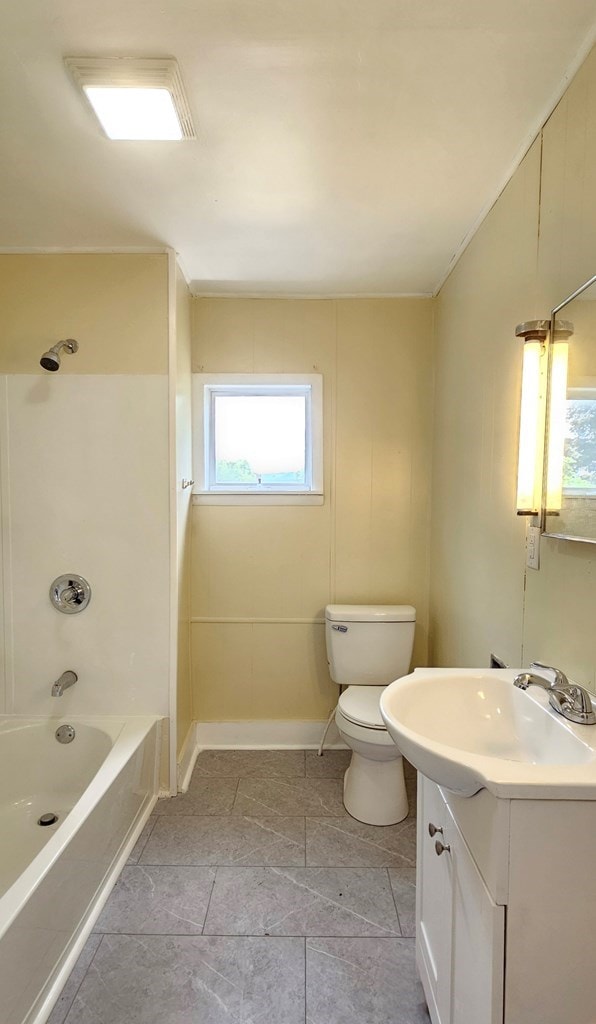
{"x": 472, "y": 729}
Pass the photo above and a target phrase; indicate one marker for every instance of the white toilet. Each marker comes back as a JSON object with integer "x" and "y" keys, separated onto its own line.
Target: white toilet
{"x": 368, "y": 646}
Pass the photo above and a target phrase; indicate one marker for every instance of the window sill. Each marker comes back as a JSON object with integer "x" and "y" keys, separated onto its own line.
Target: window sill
{"x": 263, "y": 498}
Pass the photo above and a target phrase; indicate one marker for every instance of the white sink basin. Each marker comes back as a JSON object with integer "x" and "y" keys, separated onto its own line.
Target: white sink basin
{"x": 472, "y": 729}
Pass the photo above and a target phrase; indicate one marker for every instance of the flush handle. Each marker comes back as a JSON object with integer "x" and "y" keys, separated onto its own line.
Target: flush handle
{"x": 433, "y": 829}
{"x": 340, "y": 629}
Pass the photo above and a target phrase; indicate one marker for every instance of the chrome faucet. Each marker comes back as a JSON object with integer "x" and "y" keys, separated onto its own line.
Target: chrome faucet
{"x": 67, "y": 679}
{"x": 567, "y": 699}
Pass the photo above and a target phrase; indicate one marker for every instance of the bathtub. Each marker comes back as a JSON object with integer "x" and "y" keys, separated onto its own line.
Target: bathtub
{"x": 54, "y": 879}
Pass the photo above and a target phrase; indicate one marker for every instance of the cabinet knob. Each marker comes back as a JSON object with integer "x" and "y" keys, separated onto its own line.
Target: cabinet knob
{"x": 441, "y": 848}
{"x": 433, "y": 829}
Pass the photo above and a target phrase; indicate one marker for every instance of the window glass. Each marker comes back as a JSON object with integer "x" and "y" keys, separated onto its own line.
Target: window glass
{"x": 259, "y": 440}
{"x": 579, "y": 465}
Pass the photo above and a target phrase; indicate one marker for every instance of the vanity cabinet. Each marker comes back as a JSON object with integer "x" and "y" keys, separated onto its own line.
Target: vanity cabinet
{"x": 460, "y": 929}
{"x": 518, "y": 876}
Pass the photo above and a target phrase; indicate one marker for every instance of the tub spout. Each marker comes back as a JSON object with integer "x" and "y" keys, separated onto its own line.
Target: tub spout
{"x": 67, "y": 679}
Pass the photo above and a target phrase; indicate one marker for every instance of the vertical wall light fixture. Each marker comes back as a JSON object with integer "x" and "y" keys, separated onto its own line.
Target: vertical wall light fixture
{"x": 531, "y": 425}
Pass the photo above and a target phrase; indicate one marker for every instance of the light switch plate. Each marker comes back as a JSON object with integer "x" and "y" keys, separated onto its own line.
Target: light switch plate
{"x": 533, "y": 548}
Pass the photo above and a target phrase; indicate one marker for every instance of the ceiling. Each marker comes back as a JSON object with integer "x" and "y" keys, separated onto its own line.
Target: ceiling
{"x": 343, "y": 146}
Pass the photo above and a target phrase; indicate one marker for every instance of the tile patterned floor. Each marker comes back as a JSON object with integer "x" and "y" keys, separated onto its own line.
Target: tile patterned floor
{"x": 254, "y": 898}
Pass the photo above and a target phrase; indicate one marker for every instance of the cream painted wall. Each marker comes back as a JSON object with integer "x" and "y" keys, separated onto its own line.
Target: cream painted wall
{"x": 478, "y": 542}
{"x": 115, "y": 305}
{"x": 560, "y": 606}
{"x": 183, "y": 416}
{"x": 261, "y": 577}
{"x": 537, "y": 245}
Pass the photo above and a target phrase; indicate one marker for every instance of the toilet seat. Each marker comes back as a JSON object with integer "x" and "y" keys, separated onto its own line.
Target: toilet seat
{"x": 360, "y": 705}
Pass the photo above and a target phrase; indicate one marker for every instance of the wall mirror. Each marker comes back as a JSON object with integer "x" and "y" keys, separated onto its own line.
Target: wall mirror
{"x": 569, "y": 488}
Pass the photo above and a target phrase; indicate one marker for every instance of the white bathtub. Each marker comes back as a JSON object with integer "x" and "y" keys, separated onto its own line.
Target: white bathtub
{"x": 54, "y": 879}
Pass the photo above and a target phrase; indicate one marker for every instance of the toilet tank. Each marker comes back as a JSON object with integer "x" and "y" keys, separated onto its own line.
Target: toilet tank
{"x": 367, "y": 644}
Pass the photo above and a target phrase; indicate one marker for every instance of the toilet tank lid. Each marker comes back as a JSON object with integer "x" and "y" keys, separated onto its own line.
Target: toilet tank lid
{"x": 370, "y": 613}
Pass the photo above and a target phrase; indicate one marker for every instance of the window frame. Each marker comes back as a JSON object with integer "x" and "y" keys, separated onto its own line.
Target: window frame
{"x": 206, "y": 387}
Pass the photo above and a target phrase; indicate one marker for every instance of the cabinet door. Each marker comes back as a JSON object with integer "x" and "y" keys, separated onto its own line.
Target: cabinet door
{"x": 434, "y": 897}
{"x": 477, "y": 943}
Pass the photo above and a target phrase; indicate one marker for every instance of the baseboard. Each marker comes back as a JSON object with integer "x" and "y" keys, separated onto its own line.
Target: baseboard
{"x": 187, "y": 758}
{"x": 265, "y": 735}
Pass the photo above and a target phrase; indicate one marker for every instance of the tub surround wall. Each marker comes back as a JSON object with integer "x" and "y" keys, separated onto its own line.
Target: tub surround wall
{"x": 84, "y": 477}
{"x": 90, "y": 499}
{"x": 534, "y": 248}
{"x": 261, "y": 576}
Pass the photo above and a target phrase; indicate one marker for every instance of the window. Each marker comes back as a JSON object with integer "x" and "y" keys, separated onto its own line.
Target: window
{"x": 259, "y": 438}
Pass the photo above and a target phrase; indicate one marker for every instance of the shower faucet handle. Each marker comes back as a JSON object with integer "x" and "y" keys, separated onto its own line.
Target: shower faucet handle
{"x": 70, "y": 593}
{"x": 74, "y": 594}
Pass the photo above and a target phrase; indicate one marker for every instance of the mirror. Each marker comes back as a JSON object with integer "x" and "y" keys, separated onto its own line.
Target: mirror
{"x": 569, "y": 495}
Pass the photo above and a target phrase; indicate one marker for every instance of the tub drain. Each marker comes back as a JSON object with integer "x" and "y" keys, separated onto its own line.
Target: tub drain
{"x": 65, "y": 734}
{"x": 47, "y": 819}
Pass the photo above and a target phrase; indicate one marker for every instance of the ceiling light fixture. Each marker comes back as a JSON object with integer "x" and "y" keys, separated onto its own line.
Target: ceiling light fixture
{"x": 139, "y": 99}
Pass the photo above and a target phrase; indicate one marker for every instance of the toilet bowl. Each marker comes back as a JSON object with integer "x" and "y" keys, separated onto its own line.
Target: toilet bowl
{"x": 368, "y": 647}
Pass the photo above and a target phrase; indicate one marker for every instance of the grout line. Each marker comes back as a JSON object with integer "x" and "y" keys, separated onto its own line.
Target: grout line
{"x": 64, "y": 1019}
{"x": 263, "y": 864}
{"x": 305, "y": 982}
{"x": 305, "y": 861}
{"x": 171, "y": 816}
{"x": 243, "y": 935}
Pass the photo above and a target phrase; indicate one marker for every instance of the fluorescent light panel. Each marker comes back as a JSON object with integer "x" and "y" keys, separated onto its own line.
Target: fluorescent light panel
{"x": 135, "y": 113}
{"x": 135, "y": 99}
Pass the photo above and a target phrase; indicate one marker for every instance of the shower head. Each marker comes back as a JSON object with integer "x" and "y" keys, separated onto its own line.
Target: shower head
{"x": 50, "y": 360}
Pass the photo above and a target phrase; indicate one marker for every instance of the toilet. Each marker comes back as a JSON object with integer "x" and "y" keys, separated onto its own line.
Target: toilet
{"x": 368, "y": 646}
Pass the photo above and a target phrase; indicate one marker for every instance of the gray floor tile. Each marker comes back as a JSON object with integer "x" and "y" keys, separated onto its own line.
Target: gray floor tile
{"x": 250, "y": 763}
{"x": 204, "y": 796}
{"x": 231, "y": 840}
{"x": 346, "y": 842}
{"x": 289, "y": 796}
{"x": 149, "y": 899}
{"x": 187, "y": 979}
{"x": 302, "y": 901}
{"x": 67, "y": 996}
{"x": 363, "y": 981}
{"x": 331, "y": 764}
{"x": 403, "y": 883}
{"x": 140, "y": 843}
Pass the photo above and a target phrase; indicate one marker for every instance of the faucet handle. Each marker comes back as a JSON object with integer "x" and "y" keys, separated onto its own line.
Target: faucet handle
{"x": 560, "y": 679}
{"x": 581, "y": 699}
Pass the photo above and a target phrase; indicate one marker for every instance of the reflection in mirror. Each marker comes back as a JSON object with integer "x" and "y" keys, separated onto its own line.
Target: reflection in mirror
{"x": 571, "y": 466}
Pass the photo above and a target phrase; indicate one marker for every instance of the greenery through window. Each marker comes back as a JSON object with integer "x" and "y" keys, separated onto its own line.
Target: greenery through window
{"x": 579, "y": 466}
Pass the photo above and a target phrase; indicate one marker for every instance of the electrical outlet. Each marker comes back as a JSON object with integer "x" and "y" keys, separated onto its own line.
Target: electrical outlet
{"x": 533, "y": 548}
